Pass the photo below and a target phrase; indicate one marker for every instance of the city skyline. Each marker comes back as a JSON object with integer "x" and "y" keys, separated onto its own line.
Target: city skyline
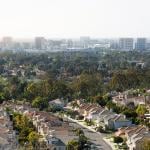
{"x": 74, "y": 18}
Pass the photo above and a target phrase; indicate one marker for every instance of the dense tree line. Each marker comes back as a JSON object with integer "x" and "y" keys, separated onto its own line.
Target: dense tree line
{"x": 88, "y": 75}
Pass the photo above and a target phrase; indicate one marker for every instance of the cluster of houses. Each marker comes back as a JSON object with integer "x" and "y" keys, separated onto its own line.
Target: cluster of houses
{"x": 54, "y": 130}
{"x": 50, "y": 127}
{"x": 135, "y": 136}
{"x": 8, "y": 140}
{"x": 20, "y": 70}
{"x": 7, "y": 70}
{"x": 101, "y": 116}
{"x": 127, "y": 97}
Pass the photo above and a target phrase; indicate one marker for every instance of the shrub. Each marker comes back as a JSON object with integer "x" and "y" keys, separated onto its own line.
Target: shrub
{"x": 117, "y": 139}
{"x": 89, "y": 122}
{"x": 100, "y": 129}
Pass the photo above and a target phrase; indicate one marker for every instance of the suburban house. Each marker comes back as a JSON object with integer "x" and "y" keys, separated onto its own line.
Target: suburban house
{"x": 102, "y": 114}
{"x": 82, "y": 107}
{"x": 120, "y": 121}
{"x": 46, "y": 123}
{"x": 94, "y": 113}
{"x": 129, "y": 131}
{"x": 54, "y": 143}
{"x": 107, "y": 119}
{"x": 58, "y": 103}
{"x": 136, "y": 130}
{"x": 137, "y": 140}
{"x": 8, "y": 138}
{"x": 114, "y": 121}
{"x": 135, "y": 136}
{"x": 127, "y": 97}
{"x": 86, "y": 108}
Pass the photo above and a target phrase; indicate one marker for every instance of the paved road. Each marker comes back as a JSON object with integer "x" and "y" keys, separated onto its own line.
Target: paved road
{"x": 94, "y": 137}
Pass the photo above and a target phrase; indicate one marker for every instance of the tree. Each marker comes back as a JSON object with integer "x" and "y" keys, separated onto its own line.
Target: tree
{"x": 74, "y": 105}
{"x": 130, "y": 113}
{"x": 141, "y": 110}
{"x": 82, "y": 141}
{"x": 60, "y": 90}
{"x": 40, "y": 102}
{"x": 79, "y": 132}
{"x": 23, "y": 126}
{"x": 54, "y": 108}
{"x": 100, "y": 129}
{"x": 1, "y": 98}
{"x": 33, "y": 138}
{"x": 117, "y": 139}
{"x": 72, "y": 145}
{"x": 72, "y": 114}
{"x": 89, "y": 122}
{"x": 125, "y": 80}
{"x": 118, "y": 82}
{"x": 87, "y": 85}
{"x": 80, "y": 144}
{"x": 99, "y": 100}
{"x": 112, "y": 106}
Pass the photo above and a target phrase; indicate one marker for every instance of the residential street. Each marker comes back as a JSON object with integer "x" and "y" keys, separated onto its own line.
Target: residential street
{"x": 94, "y": 137}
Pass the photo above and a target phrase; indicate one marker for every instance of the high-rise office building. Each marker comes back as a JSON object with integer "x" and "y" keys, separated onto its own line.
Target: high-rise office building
{"x": 140, "y": 44}
{"x": 126, "y": 43}
{"x": 7, "y": 43}
{"x": 114, "y": 44}
{"x": 84, "y": 41}
{"x": 69, "y": 43}
{"x": 40, "y": 43}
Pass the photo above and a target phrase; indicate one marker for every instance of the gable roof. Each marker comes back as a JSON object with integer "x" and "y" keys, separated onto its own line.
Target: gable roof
{"x": 135, "y": 130}
{"x": 58, "y": 143}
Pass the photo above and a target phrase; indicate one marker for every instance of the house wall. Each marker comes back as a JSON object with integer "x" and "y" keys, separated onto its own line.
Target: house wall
{"x": 118, "y": 124}
{"x": 61, "y": 148}
{"x": 92, "y": 116}
{"x": 110, "y": 124}
{"x": 57, "y": 148}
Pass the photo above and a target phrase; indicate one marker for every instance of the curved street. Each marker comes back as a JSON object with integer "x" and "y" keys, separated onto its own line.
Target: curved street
{"x": 95, "y": 137}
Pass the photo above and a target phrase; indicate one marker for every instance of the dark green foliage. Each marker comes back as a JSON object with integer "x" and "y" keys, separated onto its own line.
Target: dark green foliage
{"x": 112, "y": 106}
{"x": 100, "y": 129}
{"x": 80, "y": 144}
{"x": 79, "y": 132}
{"x": 40, "y": 103}
{"x": 89, "y": 122}
{"x": 24, "y": 127}
{"x": 68, "y": 75}
{"x": 54, "y": 108}
{"x": 72, "y": 114}
{"x": 118, "y": 139}
{"x": 87, "y": 85}
{"x": 101, "y": 100}
{"x": 130, "y": 113}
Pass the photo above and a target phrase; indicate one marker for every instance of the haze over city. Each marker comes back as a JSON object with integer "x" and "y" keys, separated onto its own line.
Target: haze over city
{"x": 74, "y": 75}
{"x": 74, "y": 18}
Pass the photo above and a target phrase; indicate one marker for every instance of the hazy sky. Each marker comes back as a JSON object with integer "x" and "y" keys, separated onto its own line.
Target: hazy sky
{"x": 74, "y": 18}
